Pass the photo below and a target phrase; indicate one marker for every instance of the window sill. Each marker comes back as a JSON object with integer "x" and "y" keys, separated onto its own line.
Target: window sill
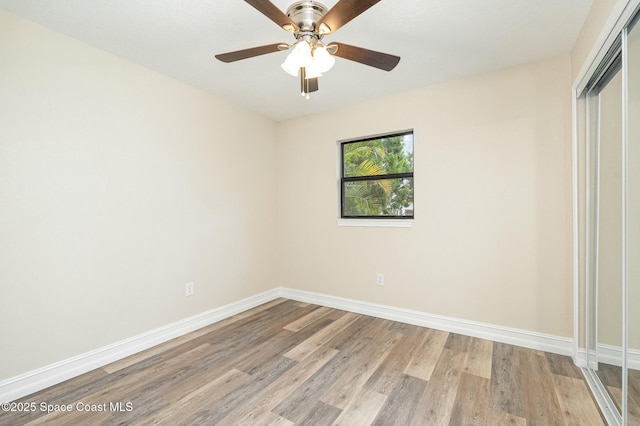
{"x": 378, "y": 223}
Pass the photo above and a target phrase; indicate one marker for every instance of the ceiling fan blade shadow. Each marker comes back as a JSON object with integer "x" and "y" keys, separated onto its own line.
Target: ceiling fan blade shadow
{"x": 272, "y": 12}
{"x": 343, "y": 12}
{"x": 364, "y": 56}
{"x": 248, "y": 53}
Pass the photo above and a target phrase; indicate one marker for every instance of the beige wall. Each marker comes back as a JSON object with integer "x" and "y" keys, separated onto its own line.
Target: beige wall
{"x": 117, "y": 186}
{"x": 491, "y": 239}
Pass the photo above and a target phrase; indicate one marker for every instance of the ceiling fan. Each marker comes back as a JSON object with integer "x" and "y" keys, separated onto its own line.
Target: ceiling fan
{"x": 309, "y": 21}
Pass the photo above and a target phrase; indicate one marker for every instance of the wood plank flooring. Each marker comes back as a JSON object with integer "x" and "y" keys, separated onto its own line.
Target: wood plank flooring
{"x": 287, "y": 362}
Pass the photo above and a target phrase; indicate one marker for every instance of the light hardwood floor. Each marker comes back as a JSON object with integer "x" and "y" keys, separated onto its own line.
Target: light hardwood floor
{"x": 288, "y": 362}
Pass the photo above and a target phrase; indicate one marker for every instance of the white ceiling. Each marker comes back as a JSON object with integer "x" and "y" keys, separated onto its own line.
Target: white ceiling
{"x": 438, "y": 40}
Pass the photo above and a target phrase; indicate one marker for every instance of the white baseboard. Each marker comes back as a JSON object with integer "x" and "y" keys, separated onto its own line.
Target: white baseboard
{"x": 33, "y": 381}
{"x": 513, "y": 336}
{"x": 36, "y": 380}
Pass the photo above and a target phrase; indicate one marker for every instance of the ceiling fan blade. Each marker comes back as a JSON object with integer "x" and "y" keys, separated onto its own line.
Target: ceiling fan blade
{"x": 248, "y": 53}
{"x": 372, "y": 58}
{"x": 272, "y": 12}
{"x": 343, "y": 12}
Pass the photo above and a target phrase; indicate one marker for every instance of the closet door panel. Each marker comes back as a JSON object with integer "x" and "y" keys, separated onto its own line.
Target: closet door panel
{"x": 609, "y": 252}
{"x": 633, "y": 225}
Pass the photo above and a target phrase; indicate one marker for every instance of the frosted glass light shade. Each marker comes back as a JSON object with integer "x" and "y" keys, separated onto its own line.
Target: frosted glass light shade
{"x": 313, "y": 70}
{"x": 290, "y": 67}
{"x": 323, "y": 59}
{"x": 315, "y": 62}
{"x": 299, "y": 57}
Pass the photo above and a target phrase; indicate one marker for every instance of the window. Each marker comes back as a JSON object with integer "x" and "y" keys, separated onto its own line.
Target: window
{"x": 377, "y": 177}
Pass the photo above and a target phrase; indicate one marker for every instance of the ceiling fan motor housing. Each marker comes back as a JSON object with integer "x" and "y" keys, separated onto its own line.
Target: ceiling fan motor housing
{"x": 306, "y": 14}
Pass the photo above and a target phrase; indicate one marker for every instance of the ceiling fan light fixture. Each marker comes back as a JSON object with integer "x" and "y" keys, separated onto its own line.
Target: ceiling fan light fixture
{"x": 322, "y": 58}
{"x": 299, "y": 57}
{"x": 313, "y": 70}
{"x": 314, "y": 58}
{"x": 290, "y": 67}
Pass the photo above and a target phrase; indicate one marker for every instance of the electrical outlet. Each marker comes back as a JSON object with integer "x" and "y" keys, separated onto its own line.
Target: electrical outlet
{"x": 188, "y": 289}
{"x": 380, "y": 279}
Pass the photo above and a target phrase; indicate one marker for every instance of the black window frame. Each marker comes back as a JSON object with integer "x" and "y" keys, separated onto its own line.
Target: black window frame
{"x": 346, "y": 179}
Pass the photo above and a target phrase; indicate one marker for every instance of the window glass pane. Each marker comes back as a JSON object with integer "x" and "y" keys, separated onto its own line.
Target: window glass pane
{"x": 378, "y": 198}
{"x": 374, "y": 157}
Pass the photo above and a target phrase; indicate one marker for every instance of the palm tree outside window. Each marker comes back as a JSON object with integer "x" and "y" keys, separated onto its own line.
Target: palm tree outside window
{"x": 377, "y": 177}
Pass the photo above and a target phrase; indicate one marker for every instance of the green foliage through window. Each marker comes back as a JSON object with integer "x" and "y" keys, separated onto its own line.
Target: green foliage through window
{"x": 377, "y": 177}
